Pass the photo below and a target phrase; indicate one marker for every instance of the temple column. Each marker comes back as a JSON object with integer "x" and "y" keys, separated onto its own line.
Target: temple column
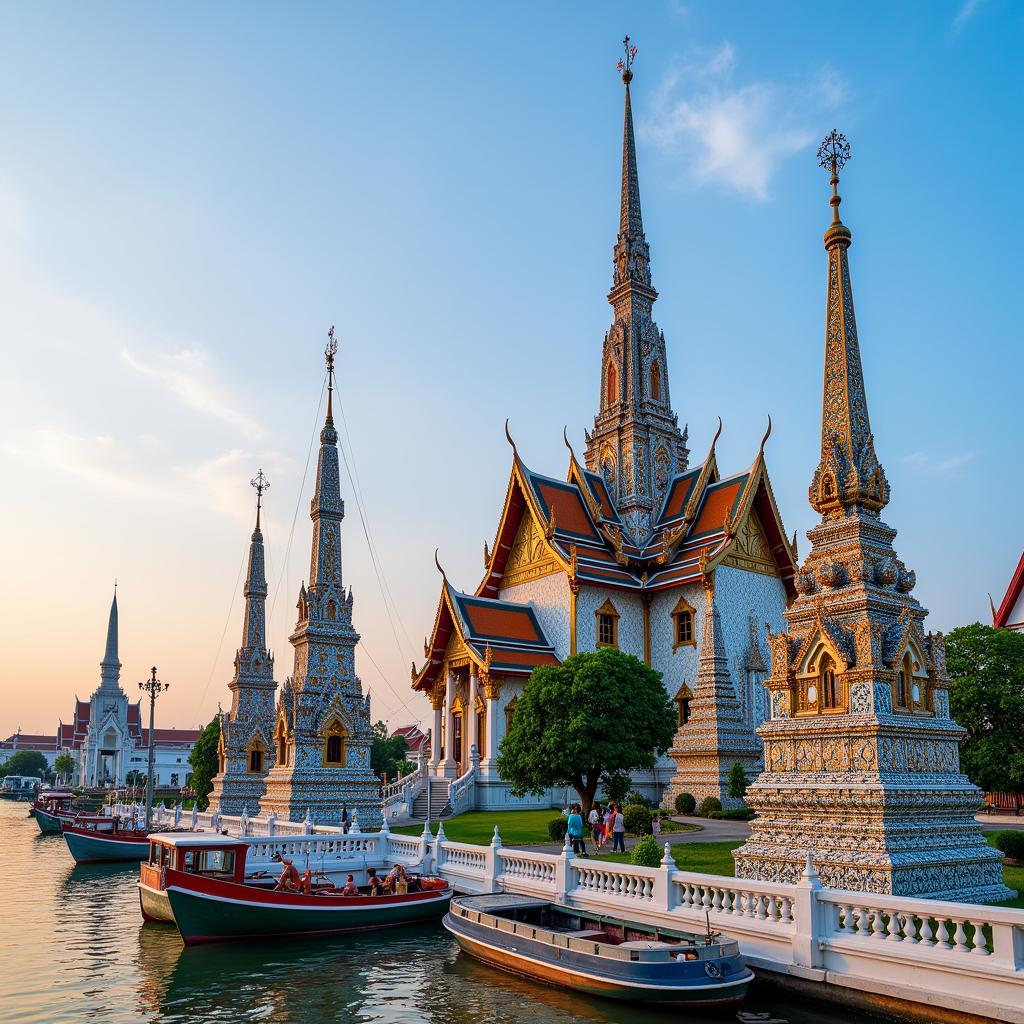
{"x": 448, "y": 767}
{"x": 492, "y": 691}
{"x": 474, "y": 685}
{"x": 437, "y": 702}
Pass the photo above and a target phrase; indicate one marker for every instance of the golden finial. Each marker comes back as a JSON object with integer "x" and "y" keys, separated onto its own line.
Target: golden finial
{"x": 764, "y": 440}
{"x": 440, "y": 568}
{"x": 992, "y": 605}
{"x": 833, "y": 154}
{"x": 329, "y": 353}
{"x": 625, "y": 65}
{"x": 508, "y": 437}
{"x": 261, "y": 483}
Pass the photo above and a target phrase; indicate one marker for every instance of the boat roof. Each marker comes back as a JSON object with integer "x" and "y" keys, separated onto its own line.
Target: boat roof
{"x": 177, "y": 839}
{"x": 501, "y": 901}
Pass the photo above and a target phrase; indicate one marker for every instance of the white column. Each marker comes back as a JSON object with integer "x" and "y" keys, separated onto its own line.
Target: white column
{"x": 448, "y": 766}
{"x": 474, "y": 686}
{"x": 494, "y": 733}
{"x": 435, "y": 741}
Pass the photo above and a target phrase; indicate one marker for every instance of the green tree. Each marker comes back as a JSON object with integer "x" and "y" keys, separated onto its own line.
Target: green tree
{"x": 64, "y": 765}
{"x": 387, "y": 752}
{"x": 987, "y": 667}
{"x": 204, "y": 762}
{"x": 27, "y": 762}
{"x": 738, "y": 781}
{"x": 600, "y": 712}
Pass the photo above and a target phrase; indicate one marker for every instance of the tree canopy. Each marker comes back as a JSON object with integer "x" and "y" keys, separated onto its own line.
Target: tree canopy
{"x": 204, "y": 762}
{"x": 598, "y": 712}
{"x": 387, "y": 752}
{"x": 987, "y": 699}
{"x": 64, "y": 765}
{"x": 26, "y": 762}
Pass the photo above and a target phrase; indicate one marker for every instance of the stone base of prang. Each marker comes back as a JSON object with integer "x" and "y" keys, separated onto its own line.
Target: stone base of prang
{"x": 322, "y": 792}
{"x": 891, "y": 835}
{"x": 703, "y": 774}
{"x": 233, "y": 793}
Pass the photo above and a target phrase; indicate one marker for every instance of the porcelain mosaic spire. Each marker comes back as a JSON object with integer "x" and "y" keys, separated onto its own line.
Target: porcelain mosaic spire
{"x": 861, "y": 757}
{"x": 246, "y": 747}
{"x": 636, "y": 443}
{"x": 110, "y": 666}
{"x": 322, "y": 731}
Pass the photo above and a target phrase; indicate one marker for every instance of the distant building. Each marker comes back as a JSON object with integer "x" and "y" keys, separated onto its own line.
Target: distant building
{"x": 45, "y": 745}
{"x": 1010, "y": 613}
{"x": 415, "y": 739}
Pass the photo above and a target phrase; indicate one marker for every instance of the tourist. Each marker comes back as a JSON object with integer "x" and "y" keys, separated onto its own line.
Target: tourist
{"x": 344, "y": 818}
{"x": 656, "y": 825}
{"x": 373, "y": 881}
{"x": 288, "y": 880}
{"x": 574, "y": 830}
{"x": 594, "y": 821}
{"x": 609, "y": 817}
{"x": 394, "y": 876}
{"x": 350, "y": 888}
{"x": 618, "y": 831}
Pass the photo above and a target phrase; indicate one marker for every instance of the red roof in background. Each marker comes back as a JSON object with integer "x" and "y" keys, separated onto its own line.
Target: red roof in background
{"x": 170, "y": 736}
{"x": 412, "y": 734}
{"x": 29, "y": 741}
{"x": 1002, "y": 615}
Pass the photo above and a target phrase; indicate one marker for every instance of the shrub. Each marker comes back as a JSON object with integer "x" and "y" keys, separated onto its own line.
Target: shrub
{"x": 638, "y": 820}
{"x": 737, "y": 814}
{"x": 665, "y": 812}
{"x": 1010, "y": 842}
{"x": 646, "y": 853}
{"x": 686, "y": 803}
{"x": 715, "y": 815}
{"x": 637, "y": 798}
{"x": 707, "y": 805}
{"x": 738, "y": 781}
{"x": 557, "y": 828}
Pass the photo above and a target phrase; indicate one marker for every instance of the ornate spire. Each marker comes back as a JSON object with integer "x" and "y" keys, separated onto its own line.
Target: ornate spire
{"x": 254, "y": 631}
{"x": 849, "y": 474}
{"x": 632, "y": 255}
{"x": 110, "y": 666}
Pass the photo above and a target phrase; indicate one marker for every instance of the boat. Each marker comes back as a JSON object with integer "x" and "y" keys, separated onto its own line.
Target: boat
{"x": 50, "y": 809}
{"x": 20, "y": 787}
{"x": 97, "y": 839}
{"x": 199, "y": 881}
{"x": 599, "y": 955}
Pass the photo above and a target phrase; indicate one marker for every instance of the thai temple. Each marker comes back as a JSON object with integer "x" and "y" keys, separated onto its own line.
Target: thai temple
{"x": 1010, "y": 613}
{"x": 245, "y": 750}
{"x": 636, "y": 548}
{"x": 862, "y": 767}
{"x": 321, "y": 724}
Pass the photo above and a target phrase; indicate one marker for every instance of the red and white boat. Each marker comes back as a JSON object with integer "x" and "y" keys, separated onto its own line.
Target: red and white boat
{"x": 51, "y": 809}
{"x": 97, "y": 839}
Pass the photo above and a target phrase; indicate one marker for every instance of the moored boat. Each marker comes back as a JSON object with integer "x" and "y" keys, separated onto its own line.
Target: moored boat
{"x": 96, "y": 839}
{"x": 596, "y": 954}
{"x": 200, "y": 882}
{"x": 52, "y": 809}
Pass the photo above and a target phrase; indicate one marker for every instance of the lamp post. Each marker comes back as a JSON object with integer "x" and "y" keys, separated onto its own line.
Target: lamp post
{"x": 153, "y": 687}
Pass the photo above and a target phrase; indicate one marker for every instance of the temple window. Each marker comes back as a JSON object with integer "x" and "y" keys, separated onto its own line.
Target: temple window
{"x": 829, "y": 689}
{"x": 334, "y": 743}
{"x": 612, "y": 384}
{"x": 332, "y": 611}
{"x": 510, "y": 714}
{"x": 256, "y": 760}
{"x": 607, "y": 625}
{"x": 655, "y": 382}
{"x": 682, "y": 625}
{"x": 821, "y": 691}
{"x": 683, "y": 697}
{"x": 906, "y": 699}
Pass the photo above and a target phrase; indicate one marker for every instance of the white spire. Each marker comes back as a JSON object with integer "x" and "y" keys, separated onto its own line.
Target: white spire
{"x": 110, "y": 666}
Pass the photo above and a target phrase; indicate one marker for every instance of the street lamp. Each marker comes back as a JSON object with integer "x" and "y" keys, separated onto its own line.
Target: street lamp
{"x": 153, "y": 687}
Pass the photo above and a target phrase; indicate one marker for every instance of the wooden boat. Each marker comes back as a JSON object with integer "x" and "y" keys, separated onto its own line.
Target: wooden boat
{"x": 96, "y": 839}
{"x": 598, "y": 955}
{"x": 51, "y": 809}
{"x": 199, "y": 882}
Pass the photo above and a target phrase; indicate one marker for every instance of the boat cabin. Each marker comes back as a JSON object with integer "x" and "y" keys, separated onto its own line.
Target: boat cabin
{"x": 196, "y": 853}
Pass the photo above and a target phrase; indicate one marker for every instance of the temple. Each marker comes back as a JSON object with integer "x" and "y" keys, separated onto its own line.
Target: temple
{"x": 245, "y": 750}
{"x": 322, "y": 732}
{"x": 1010, "y": 613}
{"x": 625, "y": 551}
{"x": 862, "y": 766}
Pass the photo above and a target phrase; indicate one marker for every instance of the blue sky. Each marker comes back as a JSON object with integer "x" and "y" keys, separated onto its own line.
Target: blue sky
{"x": 191, "y": 194}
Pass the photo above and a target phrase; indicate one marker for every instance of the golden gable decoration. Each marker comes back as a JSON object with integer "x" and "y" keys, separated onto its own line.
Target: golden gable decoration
{"x": 530, "y": 558}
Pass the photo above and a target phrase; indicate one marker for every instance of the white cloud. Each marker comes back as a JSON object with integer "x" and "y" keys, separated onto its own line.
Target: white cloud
{"x": 189, "y": 375}
{"x": 938, "y": 465}
{"x": 737, "y": 135}
{"x": 968, "y": 9}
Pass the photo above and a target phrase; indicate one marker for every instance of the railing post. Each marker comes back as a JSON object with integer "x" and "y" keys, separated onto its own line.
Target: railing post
{"x": 663, "y": 881}
{"x": 272, "y": 823}
{"x": 1008, "y": 946}
{"x": 492, "y": 863}
{"x": 426, "y": 845}
{"x": 439, "y": 840}
{"x": 807, "y": 912}
{"x": 563, "y": 872}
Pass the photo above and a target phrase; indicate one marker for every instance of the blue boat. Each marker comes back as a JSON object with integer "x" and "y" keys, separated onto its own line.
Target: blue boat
{"x": 599, "y": 955}
{"x": 97, "y": 840}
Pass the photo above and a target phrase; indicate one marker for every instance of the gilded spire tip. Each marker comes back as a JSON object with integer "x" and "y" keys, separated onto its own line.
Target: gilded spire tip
{"x": 329, "y": 353}
{"x": 625, "y": 65}
{"x": 261, "y": 483}
{"x": 833, "y": 155}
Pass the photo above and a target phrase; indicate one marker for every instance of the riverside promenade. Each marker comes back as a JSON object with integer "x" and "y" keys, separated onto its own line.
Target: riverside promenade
{"x": 914, "y": 957}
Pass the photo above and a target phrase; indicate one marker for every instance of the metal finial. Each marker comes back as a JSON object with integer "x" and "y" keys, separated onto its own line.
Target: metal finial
{"x": 329, "y": 353}
{"x": 833, "y": 154}
{"x": 625, "y": 65}
{"x": 261, "y": 483}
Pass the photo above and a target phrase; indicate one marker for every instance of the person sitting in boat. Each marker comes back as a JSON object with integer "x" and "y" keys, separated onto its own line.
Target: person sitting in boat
{"x": 375, "y": 884}
{"x": 397, "y": 878}
{"x": 288, "y": 880}
{"x": 350, "y": 888}
{"x": 306, "y": 885}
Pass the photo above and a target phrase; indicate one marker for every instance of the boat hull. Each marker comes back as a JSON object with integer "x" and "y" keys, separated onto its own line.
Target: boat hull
{"x": 226, "y": 911}
{"x": 154, "y": 904}
{"x": 593, "y": 975}
{"x": 49, "y": 822}
{"x": 92, "y": 848}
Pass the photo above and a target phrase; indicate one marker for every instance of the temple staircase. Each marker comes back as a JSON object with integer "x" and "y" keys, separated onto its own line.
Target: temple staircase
{"x": 437, "y": 793}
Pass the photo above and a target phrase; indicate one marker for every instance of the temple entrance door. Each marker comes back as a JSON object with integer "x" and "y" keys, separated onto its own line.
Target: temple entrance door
{"x": 107, "y": 767}
{"x": 457, "y": 741}
{"x": 481, "y": 730}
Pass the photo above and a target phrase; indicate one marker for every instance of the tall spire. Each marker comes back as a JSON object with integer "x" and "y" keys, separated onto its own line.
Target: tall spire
{"x": 110, "y": 666}
{"x": 254, "y": 630}
{"x": 849, "y": 474}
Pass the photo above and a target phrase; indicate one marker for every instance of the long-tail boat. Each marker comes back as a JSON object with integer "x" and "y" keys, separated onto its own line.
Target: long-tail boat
{"x": 199, "y": 881}
{"x": 97, "y": 839}
{"x": 599, "y": 955}
{"x": 50, "y": 809}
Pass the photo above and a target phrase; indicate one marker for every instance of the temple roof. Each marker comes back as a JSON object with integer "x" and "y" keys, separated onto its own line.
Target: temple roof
{"x": 1003, "y": 617}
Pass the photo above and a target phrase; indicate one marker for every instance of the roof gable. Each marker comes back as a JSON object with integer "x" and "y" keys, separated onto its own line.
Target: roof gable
{"x": 1010, "y": 614}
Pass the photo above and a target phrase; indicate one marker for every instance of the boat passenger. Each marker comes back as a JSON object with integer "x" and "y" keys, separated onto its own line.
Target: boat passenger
{"x": 306, "y": 885}
{"x": 288, "y": 880}
{"x": 350, "y": 888}
{"x": 373, "y": 882}
{"x": 397, "y": 877}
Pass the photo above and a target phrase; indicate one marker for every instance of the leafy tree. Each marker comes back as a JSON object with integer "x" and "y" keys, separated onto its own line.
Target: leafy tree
{"x": 27, "y": 762}
{"x": 987, "y": 699}
{"x": 600, "y": 712}
{"x": 204, "y": 762}
{"x": 387, "y": 752}
{"x": 738, "y": 781}
{"x": 615, "y": 787}
{"x": 134, "y": 778}
{"x": 64, "y": 765}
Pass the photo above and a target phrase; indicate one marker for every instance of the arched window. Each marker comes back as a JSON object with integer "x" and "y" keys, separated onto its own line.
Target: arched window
{"x": 827, "y": 684}
{"x": 905, "y": 684}
{"x": 607, "y": 625}
{"x": 683, "y": 697}
{"x": 655, "y": 382}
{"x": 222, "y": 761}
{"x": 612, "y": 384}
{"x": 283, "y": 752}
{"x": 682, "y": 618}
{"x": 334, "y": 743}
{"x": 256, "y": 760}
{"x": 332, "y": 611}
{"x": 510, "y": 714}
{"x": 334, "y": 750}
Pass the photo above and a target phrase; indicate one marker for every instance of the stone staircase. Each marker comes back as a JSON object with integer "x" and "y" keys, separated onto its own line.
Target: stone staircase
{"x": 437, "y": 792}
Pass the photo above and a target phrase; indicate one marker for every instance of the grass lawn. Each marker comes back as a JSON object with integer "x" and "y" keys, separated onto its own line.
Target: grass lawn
{"x": 708, "y": 858}
{"x": 514, "y": 827}
{"x": 1013, "y": 877}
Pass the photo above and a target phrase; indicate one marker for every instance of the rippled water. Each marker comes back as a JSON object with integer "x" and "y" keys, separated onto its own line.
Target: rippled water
{"x": 74, "y": 948}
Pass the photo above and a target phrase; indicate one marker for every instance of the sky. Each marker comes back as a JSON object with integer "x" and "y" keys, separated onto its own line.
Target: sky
{"x": 191, "y": 194}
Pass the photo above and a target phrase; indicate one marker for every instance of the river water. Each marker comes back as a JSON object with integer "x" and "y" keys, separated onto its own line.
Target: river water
{"x": 73, "y": 947}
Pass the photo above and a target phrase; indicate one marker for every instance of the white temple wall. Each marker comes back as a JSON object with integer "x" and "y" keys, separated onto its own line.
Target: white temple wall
{"x": 631, "y": 619}
{"x": 675, "y": 666}
{"x": 550, "y": 598}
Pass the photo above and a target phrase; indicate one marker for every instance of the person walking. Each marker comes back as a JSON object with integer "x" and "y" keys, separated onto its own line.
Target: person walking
{"x": 606, "y": 821}
{"x": 344, "y": 818}
{"x": 574, "y": 830}
{"x": 618, "y": 830}
{"x": 594, "y": 821}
